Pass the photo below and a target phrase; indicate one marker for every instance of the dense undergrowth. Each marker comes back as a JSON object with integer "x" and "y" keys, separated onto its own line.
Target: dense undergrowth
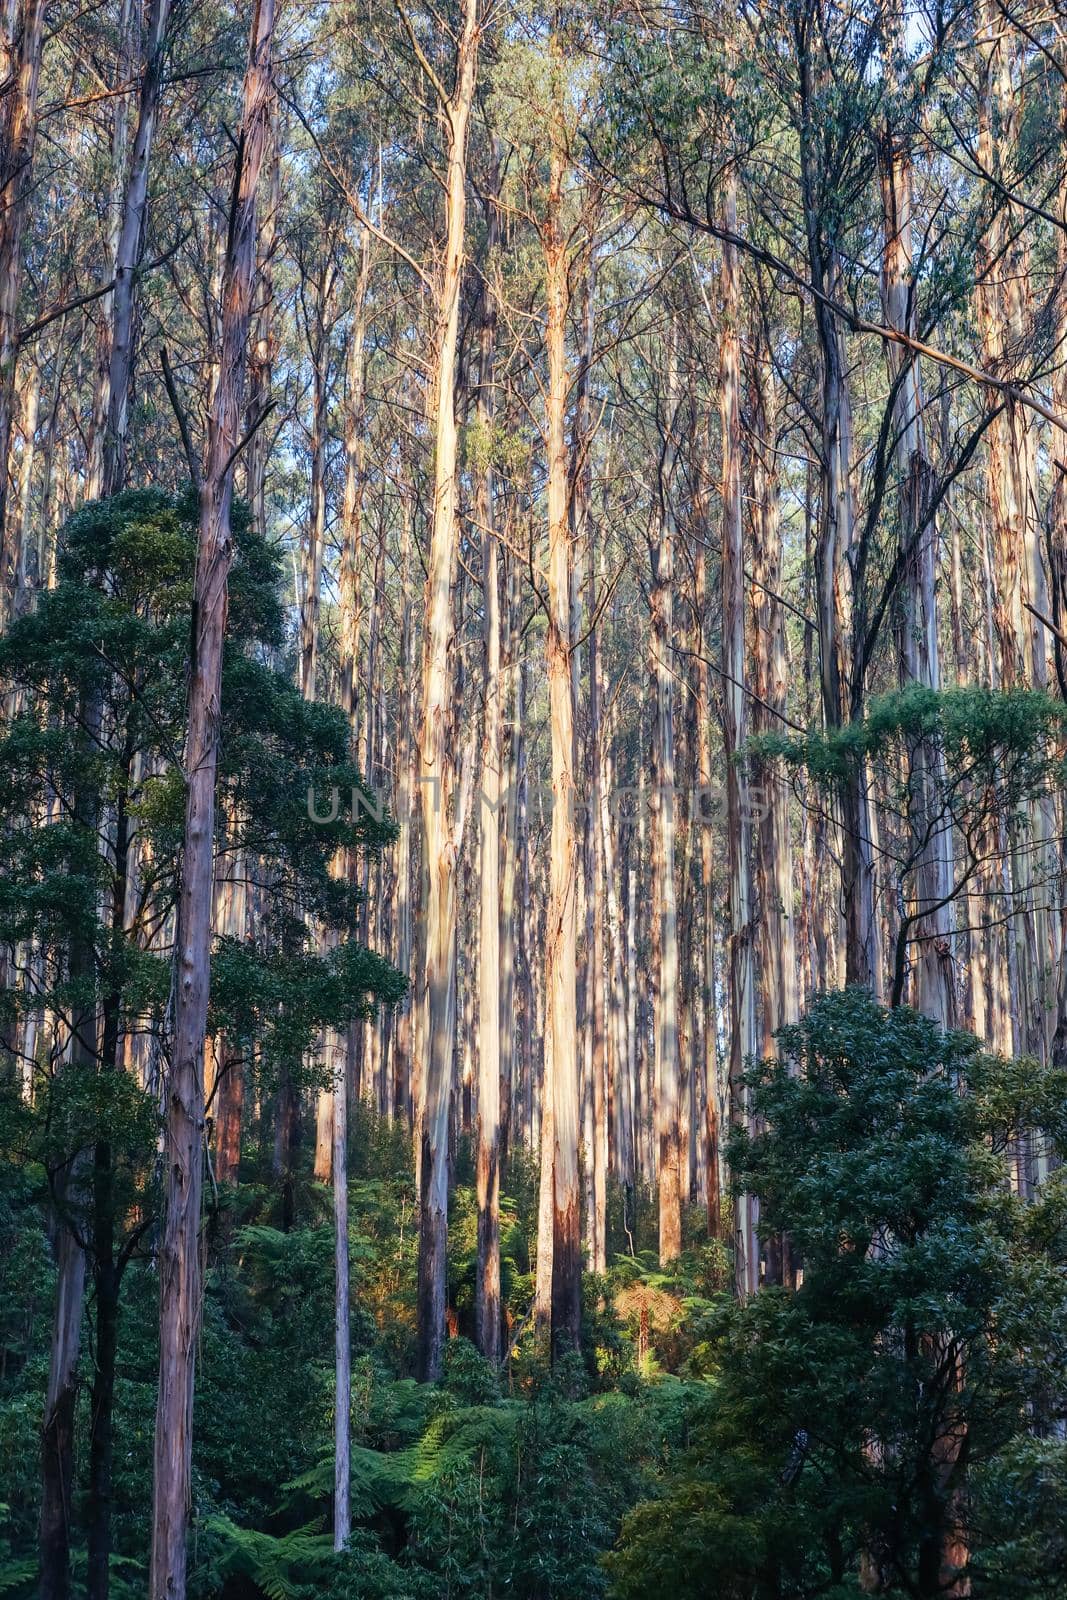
{"x": 824, "y": 1439}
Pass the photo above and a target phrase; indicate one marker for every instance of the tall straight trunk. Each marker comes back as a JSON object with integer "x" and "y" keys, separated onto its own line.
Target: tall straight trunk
{"x": 1005, "y": 317}
{"x": 129, "y": 28}
{"x": 617, "y": 992}
{"x": 21, "y": 41}
{"x": 560, "y": 1149}
{"x": 179, "y": 1255}
{"x": 487, "y": 1310}
{"x": 735, "y": 733}
{"x": 72, "y": 1211}
{"x": 594, "y": 1042}
{"x": 27, "y": 574}
{"x": 668, "y": 1106}
{"x": 1057, "y": 526}
{"x": 920, "y": 660}
{"x": 108, "y": 1261}
{"x": 510, "y": 872}
{"x": 709, "y": 998}
{"x": 436, "y": 761}
{"x": 407, "y": 820}
{"x": 834, "y": 550}
{"x": 130, "y": 250}
{"x": 599, "y": 1155}
{"x": 264, "y": 339}
{"x": 352, "y": 504}
{"x": 342, "y": 1468}
{"x": 57, "y": 1435}
{"x": 315, "y": 542}
{"x": 777, "y": 924}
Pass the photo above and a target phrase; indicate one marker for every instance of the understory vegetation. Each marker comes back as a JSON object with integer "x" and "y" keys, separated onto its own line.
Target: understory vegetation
{"x": 912, "y": 1375}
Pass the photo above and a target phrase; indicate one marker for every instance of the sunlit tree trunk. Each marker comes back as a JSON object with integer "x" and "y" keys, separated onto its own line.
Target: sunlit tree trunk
{"x": 702, "y": 819}
{"x": 778, "y": 951}
{"x": 487, "y": 1307}
{"x": 662, "y": 601}
{"x": 21, "y": 40}
{"x": 179, "y": 1254}
{"x": 560, "y": 1149}
{"x": 315, "y": 540}
{"x": 735, "y": 732}
{"x": 436, "y": 762}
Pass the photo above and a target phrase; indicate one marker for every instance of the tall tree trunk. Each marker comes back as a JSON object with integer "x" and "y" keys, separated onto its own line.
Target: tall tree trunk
{"x": 562, "y": 918}
{"x": 920, "y": 660}
{"x": 315, "y": 542}
{"x": 21, "y": 41}
{"x": 130, "y": 250}
{"x": 777, "y": 922}
{"x": 735, "y": 733}
{"x": 126, "y": 57}
{"x": 436, "y": 762}
{"x": 264, "y": 340}
{"x": 179, "y": 1256}
{"x": 668, "y": 1102}
{"x": 349, "y": 598}
{"x": 57, "y": 1435}
{"x": 487, "y": 1310}
{"x": 342, "y": 1468}
{"x": 709, "y": 999}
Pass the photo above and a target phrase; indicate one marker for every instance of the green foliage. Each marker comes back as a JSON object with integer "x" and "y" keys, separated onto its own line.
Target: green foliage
{"x": 1004, "y": 740}
{"x": 927, "y": 1315}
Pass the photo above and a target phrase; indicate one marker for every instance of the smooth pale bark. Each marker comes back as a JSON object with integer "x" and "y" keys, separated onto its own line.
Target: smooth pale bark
{"x": 617, "y": 993}
{"x": 774, "y": 844}
{"x": 349, "y": 597}
{"x": 778, "y": 948}
{"x": 179, "y": 1254}
{"x": 406, "y": 818}
{"x": 595, "y": 1099}
{"x": 600, "y": 1151}
{"x": 322, "y": 1165}
{"x": 108, "y": 473}
{"x": 436, "y": 761}
{"x": 314, "y": 542}
{"x": 1005, "y": 322}
{"x": 487, "y": 1309}
{"x": 735, "y": 732}
{"x": 561, "y": 931}
{"x": 124, "y": 69}
{"x": 311, "y": 583}
{"x": 21, "y": 40}
{"x": 27, "y": 575}
{"x": 510, "y": 869}
{"x": 668, "y": 1108}
{"x": 708, "y": 997}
